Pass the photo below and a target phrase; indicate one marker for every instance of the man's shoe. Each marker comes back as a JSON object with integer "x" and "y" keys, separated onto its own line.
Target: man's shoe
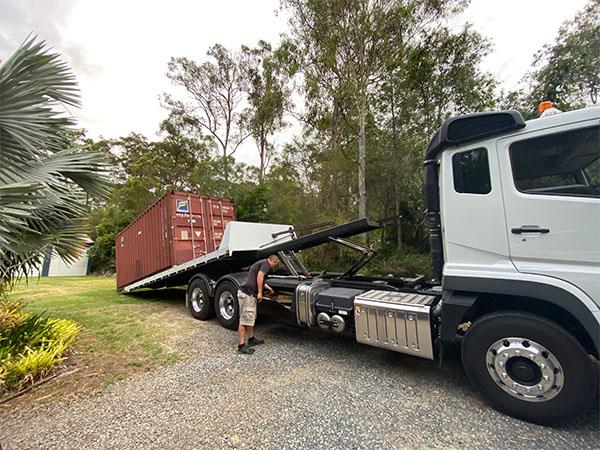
{"x": 253, "y": 341}
{"x": 245, "y": 349}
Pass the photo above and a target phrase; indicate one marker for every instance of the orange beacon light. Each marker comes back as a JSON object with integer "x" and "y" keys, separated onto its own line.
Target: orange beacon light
{"x": 543, "y": 106}
{"x": 547, "y": 109}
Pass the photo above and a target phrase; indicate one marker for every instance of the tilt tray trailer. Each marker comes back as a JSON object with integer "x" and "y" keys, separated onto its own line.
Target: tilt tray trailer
{"x": 514, "y": 213}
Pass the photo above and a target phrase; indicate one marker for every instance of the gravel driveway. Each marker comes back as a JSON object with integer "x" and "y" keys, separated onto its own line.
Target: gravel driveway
{"x": 300, "y": 390}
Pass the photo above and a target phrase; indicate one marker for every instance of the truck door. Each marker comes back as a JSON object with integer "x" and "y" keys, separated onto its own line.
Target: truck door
{"x": 550, "y": 182}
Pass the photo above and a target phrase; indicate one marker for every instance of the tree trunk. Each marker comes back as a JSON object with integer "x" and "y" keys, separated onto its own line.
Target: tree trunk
{"x": 398, "y": 222}
{"x": 261, "y": 150}
{"x": 362, "y": 186}
{"x": 261, "y": 174}
{"x": 333, "y": 154}
{"x": 396, "y": 175}
{"x": 226, "y": 163}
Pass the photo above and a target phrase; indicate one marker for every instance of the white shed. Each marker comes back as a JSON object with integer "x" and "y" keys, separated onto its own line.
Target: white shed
{"x": 54, "y": 266}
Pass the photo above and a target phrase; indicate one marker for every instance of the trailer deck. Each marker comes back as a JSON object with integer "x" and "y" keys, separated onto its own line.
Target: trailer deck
{"x": 245, "y": 242}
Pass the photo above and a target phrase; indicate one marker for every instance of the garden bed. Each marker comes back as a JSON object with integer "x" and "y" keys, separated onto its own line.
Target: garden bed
{"x": 32, "y": 345}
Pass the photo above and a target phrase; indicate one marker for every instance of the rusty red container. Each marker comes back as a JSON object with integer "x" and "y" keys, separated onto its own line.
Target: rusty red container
{"x": 178, "y": 227}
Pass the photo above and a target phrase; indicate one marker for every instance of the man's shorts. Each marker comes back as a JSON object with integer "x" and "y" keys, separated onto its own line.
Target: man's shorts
{"x": 247, "y": 309}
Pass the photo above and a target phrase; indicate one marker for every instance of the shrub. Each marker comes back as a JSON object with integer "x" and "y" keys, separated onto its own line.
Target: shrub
{"x": 28, "y": 366}
{"x": 10, "y": 314}
{"x": 30, "y": 345}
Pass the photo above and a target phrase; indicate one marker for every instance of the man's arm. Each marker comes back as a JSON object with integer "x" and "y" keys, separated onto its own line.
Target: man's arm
{"x": 269, "y": 288}
{"x": 260, "y": 278}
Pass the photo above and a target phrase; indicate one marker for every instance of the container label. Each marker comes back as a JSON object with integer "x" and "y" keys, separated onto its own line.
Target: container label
{"x": 182, "y": 206}
{"x": 184, "y": 235}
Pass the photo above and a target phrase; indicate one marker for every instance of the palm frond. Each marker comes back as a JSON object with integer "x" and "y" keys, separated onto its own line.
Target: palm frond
{"x": 45, "y": 181}
{"x": 34, "y": 83}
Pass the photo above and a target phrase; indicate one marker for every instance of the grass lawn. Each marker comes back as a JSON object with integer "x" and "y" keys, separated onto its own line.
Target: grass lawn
{"x": 121, "y": 334}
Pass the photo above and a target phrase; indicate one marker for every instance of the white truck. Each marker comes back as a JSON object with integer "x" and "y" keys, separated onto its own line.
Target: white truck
{"x": 514, "y": 209}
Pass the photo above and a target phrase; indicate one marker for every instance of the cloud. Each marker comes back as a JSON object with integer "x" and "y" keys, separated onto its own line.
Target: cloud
{"x": 47, "y": 20}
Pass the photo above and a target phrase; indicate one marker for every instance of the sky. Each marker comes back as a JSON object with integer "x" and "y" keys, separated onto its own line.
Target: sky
{"x": 119, "y": 50}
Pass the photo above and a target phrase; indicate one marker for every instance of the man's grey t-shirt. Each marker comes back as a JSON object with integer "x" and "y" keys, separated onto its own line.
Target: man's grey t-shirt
{"x": 249, "y": 286}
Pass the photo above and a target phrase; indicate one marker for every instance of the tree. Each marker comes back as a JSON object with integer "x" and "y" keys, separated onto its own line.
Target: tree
{"x": 340, "y": 42}
{"x": 436, "y": 75}
{"x": 567, "y": 72}
{"x": 220, "y": 176}
{"x": 290, "y": 197}
{"x": 347, "y": 46}
{"x": 268, "y": 98}
{"x": 165, "y": 164}
{"x": 45, "y": 181}
{"x": 518, "y": 100}
{"x": 215, "y": 91}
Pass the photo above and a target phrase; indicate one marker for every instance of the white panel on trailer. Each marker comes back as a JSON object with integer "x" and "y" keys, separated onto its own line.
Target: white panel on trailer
{"x": 240, "y": 236}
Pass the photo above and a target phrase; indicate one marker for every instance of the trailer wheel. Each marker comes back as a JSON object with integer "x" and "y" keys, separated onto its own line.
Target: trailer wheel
{"x": 199, "y": 302}
{"x": 529, "y": 367}
{"x": 226, "y": 305}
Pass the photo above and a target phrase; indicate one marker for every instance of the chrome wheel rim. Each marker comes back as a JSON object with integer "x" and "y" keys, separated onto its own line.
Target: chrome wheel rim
{"x": 525, "y": 369}
{"x": 227, "y": 305}
{"x": 197, "y": 299}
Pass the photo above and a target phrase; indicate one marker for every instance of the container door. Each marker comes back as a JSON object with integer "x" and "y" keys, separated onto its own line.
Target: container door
{"x": 198, "y": 227}
{"x": 219, "y": 212}
{"x": 552, "y": 203}
{"x": 189, "y": 237}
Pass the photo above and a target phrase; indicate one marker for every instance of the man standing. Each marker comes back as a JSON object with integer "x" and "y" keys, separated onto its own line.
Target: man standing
{"x": 250, "y": 292}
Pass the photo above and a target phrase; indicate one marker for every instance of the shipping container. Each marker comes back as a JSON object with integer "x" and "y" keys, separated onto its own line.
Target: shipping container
{"x": 178, "y": 227}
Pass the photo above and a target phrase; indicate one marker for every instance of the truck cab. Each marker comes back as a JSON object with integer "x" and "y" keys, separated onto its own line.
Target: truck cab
{"x": 514, "y": 209}
{"x": 531, "y": 199}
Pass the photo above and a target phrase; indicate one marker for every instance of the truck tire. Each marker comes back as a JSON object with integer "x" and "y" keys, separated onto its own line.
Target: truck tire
{"x": 199, "y": 302}
{"x": 226, "y": 305}
{"x": 529, "y": 367}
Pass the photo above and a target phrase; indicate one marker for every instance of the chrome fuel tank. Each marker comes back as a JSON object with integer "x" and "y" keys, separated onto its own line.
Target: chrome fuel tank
{"x": 305, "y": 302}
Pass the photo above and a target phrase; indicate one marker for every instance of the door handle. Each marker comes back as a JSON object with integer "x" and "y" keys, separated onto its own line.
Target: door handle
{"x": 530, "y": 229}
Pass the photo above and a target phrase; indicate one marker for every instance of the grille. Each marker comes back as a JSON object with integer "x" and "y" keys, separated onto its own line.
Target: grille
{"x": 479, "y": 126}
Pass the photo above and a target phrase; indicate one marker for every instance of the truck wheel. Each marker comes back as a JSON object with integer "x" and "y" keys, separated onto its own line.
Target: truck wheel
{"x": 528, "y": 367}
{"x": 199, "y": 300}
{"x": 226, "y": 305}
